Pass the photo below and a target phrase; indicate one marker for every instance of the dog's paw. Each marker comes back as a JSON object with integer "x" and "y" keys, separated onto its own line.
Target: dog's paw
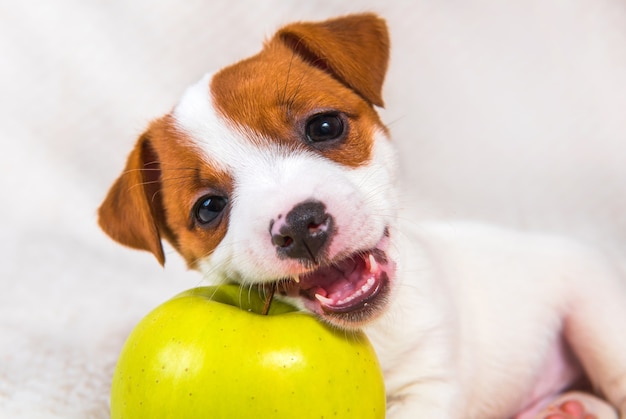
{"x": 570, "y": 409}
{"x": 578, "y": 405}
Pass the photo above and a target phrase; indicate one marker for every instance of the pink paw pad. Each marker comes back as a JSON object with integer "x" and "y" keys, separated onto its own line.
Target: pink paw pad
{"x": 571, "y": 409}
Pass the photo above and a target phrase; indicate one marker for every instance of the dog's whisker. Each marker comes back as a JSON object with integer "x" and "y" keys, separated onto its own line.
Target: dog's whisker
{"x": 286, "y": 86}
{"x": 160, "y": 168}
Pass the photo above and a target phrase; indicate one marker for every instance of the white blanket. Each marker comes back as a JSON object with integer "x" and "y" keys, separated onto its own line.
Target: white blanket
{"x": 511, "y": 112}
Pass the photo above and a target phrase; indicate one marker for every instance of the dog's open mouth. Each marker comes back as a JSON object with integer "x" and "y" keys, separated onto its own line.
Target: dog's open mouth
{"x": 348, "y": 285}
{"x": 350, "y": 291}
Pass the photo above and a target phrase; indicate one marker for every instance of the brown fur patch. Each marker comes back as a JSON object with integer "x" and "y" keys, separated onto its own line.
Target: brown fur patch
{"x": 156, "y": 194}
{"x": 274, "y": 93}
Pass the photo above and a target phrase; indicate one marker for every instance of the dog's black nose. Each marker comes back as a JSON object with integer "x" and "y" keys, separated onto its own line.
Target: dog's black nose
{"x": 304, "y": 232}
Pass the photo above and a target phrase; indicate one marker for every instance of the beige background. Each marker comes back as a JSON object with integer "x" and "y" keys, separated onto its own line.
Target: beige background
{"x": 511, "y": 112}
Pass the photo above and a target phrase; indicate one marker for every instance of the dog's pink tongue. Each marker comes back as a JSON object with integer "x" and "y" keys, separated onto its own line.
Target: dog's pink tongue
{"x": 347, "y": 286}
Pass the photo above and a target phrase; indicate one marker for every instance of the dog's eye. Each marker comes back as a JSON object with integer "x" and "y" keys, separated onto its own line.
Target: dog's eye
{"x": 325, "y": 127}
{"x": 208, "y": 208}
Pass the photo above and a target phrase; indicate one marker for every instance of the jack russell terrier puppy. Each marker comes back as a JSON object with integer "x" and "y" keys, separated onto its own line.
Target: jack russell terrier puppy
{"x": 278, "y": 170}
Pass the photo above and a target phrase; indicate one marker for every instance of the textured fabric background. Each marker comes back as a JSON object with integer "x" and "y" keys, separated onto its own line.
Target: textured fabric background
{"x": 510, "y": 112}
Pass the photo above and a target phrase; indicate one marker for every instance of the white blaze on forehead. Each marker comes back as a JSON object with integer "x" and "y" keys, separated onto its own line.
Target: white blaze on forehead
{"x": 197, "y": 117}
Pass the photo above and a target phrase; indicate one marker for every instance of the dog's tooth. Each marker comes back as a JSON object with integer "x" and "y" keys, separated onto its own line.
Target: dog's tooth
{"x": 351, "y": 297}
{"x": 324, "y": 300}
{"x": 373, "y": 265}
{"x": 296, "y": 279}
{"x": 368, "y": 285}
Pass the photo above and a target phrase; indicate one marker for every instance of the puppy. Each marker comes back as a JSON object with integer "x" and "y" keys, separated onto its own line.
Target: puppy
{"x": 278, "y": 170}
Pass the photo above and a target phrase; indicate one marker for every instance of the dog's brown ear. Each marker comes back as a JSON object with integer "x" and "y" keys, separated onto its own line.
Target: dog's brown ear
{"x": 353, "y": 49}
{"x": 130, "y": 210}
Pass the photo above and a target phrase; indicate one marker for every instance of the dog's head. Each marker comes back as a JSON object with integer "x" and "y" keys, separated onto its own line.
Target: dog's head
{"x": 276, "y": 169}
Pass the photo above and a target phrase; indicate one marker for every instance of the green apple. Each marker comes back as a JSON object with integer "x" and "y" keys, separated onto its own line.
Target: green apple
{"x": 209, "y": 353}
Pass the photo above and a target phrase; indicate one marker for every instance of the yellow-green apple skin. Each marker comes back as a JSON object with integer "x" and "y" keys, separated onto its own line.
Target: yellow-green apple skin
{"x": 209, "y": 353}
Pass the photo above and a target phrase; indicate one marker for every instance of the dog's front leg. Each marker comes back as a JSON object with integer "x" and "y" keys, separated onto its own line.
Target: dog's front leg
{"x": 421, "y": 377}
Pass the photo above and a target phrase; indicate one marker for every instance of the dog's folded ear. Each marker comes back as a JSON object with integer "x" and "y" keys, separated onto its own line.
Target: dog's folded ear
{"x": 353, "y": 49}
{"x": 129, "y": 213}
